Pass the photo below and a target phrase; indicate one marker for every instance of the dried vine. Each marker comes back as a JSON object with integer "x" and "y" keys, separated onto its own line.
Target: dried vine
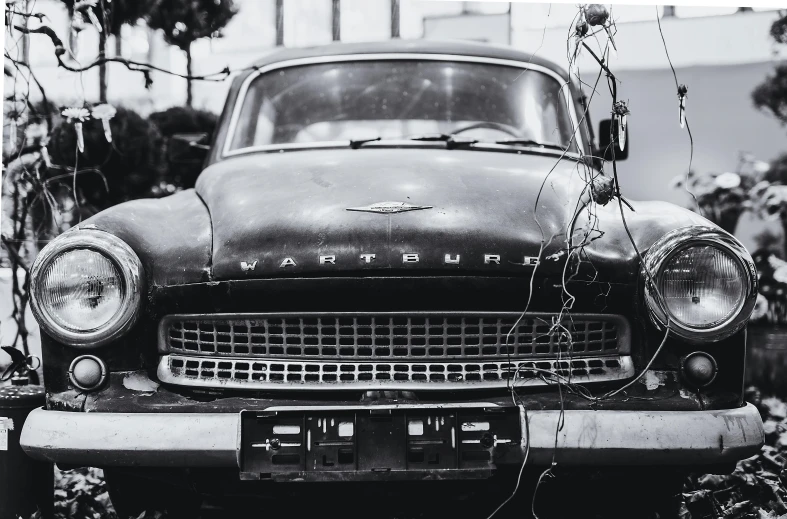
{"x": 600, "y": 189}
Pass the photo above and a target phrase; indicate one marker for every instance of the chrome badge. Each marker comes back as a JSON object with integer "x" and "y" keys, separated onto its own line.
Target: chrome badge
{"x": 389, "y": 207}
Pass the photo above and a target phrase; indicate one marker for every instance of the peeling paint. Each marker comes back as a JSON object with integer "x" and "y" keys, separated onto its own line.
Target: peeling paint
{"x": 654, "y": 379}
{"x": 688, "y": 395}
{"x": 139, "y": 381}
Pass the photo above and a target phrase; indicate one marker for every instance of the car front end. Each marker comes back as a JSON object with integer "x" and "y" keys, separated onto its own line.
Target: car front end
{"x": 394, "y": 309}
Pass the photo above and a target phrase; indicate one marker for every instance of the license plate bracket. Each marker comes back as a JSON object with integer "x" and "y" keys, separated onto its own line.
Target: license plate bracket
{"x": 377, "y": 443}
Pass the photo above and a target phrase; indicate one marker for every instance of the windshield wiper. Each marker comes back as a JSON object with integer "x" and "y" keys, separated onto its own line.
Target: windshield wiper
{"x": 531, "y": 142}
{"x": 357, "y": 143}
{"x": 450, "y": 140}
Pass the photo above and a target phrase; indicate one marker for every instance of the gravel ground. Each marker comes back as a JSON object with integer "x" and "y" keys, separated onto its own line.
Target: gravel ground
{"x": 755, "y": 490}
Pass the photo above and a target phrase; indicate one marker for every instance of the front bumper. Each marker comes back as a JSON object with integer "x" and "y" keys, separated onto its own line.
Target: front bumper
{"x": 600, "y": 438}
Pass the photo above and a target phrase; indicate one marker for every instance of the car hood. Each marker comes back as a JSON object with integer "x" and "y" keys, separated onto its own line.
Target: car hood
{"x": 290, "y": 213}
{"x": 284, "y": 211}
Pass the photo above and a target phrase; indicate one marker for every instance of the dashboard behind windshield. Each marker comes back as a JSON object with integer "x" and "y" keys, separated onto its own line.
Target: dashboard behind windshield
{"x": 398, "y": 99}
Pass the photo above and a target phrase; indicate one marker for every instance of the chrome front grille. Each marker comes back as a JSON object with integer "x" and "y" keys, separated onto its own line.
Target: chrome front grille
{"x": 427, "y": 336}
{"x": 245, "y": 374}
{"x": 405, "y": 350}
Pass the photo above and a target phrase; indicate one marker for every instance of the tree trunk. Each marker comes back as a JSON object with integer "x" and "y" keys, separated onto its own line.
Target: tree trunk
{"x": 395, "y": 23}
{"x": 336, "y": 20}
{"x": 189, "y": 96}
{"x": 102, "y": 69}
{"x": 279, "y": 23}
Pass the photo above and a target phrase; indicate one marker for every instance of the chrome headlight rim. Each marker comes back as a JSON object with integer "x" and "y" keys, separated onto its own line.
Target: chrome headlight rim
{"x": 126, "y": 262}
{"x": 675, "y": 241}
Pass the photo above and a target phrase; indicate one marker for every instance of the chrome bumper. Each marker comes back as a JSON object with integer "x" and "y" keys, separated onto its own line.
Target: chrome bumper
{"x": 213, "y": 439}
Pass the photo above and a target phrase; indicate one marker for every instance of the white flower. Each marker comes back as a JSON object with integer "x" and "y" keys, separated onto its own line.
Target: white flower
{"x": 780, "y": 274}
{"x": 104, "y": 113}
{"x": 728, "y": 180}
{"x": 761, "y": 166}
{"x": 76, "y": 114}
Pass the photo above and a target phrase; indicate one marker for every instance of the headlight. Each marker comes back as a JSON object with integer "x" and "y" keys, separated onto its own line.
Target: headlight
{"x": 85, "y": 288}
{"x": 706, "y": 280}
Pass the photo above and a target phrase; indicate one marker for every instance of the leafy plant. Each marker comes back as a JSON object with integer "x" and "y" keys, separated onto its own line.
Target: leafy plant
{"x": 181, "y": 119}
{"x": 110, "y": 172}
{"x": 185, "y": 21}
{"x": 722, "y": 197}
{"x": 771, "y": 94}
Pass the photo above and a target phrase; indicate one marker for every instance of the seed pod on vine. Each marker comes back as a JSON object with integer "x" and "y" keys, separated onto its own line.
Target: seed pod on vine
{"x": 603, "y": 189}
{"x": 682, "y": 91}
{"x": 581, "y": 29}
{"x": 620, "y": 112}
{"x": 596, "y": 14}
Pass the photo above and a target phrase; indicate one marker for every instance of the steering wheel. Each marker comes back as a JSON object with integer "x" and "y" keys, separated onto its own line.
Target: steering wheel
{"x": 510, "y": 130}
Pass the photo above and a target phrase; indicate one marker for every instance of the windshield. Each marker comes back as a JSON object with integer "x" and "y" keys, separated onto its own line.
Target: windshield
{"x": 394, "y": 99}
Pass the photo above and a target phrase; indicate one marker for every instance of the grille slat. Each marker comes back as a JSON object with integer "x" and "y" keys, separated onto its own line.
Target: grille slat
{"x": 270, "y": 374}
{"x": 431, "y": 336}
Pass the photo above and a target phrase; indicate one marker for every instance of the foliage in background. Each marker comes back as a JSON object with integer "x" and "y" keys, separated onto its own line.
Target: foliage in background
{"x": 111, "y": 172}
{"x": 722, "y": 197}
{"x": 756, "y": 489}
{"x": 771, "y": 94}
{"x": 185, "y": 21}
{"x": 182, "y": 119}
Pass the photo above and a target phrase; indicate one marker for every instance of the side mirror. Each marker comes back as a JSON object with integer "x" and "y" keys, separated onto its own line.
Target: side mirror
{"x": 608, "y": 141}
{"x": 188, "y": 148}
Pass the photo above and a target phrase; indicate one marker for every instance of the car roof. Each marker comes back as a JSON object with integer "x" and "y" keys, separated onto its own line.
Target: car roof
{"x": 459, "y": 48}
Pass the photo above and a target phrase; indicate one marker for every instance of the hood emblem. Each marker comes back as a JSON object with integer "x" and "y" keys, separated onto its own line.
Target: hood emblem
{"x": 389, "y": 207}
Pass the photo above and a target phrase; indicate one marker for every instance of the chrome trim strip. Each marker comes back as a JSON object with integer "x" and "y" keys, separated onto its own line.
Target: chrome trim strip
{"x": 677, "y": 240}
{"x": 453, "y": 380}
{"x": 447, "y": 405}
{"x": 133, "y": 439}
{"x": 129, "y": 267}
{"x": 241, "y": 97}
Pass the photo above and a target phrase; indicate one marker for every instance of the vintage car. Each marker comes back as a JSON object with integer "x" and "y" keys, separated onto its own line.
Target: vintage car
{"x": 394, "y": 267}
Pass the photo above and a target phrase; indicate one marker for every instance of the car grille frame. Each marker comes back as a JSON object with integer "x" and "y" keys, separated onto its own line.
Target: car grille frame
{"x": 433, "y": 350}
{"x": 403, "y": 335}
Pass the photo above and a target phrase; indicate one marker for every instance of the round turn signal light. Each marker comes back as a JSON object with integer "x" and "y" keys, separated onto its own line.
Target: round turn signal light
{"x": 699, "y": 368}
{"x": 87, "y": 372}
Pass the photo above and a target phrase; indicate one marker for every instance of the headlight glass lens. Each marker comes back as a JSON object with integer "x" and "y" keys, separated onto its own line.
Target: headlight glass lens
{"x": 81, "y": 290}
{"x": 703, "y": 286}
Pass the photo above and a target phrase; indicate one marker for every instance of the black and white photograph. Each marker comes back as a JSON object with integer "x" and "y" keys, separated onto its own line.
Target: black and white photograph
{"x": 393, "y": 259}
